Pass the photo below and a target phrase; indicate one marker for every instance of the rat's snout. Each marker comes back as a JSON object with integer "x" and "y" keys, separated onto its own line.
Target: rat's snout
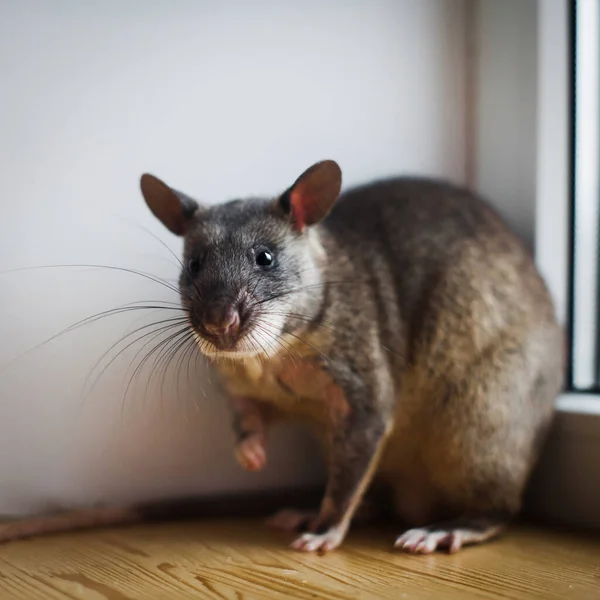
{"x": 221, "y": 323}
{"x": 224, "y": 322}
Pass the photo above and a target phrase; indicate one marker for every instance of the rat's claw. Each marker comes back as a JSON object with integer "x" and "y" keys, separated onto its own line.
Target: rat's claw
{"x": 251, "y": 453}
{"x": 323, "y": 542}
{"x": 421, "y": 541}
{"x": 452, "y": 535}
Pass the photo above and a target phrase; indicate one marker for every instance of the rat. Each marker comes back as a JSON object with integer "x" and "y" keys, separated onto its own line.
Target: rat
{"x": 402, "y": 318}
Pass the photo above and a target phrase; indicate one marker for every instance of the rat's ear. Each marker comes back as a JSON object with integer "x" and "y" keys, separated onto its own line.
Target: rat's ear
{"x": 174, "y": 209}
{"x": 312, "y": 195}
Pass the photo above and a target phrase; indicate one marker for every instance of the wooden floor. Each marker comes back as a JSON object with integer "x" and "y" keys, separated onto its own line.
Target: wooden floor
{"x": 242, "y": 560}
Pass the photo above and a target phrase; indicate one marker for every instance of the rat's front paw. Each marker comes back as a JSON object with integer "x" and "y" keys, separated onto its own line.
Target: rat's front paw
{"x": 320, "y": 542}
{"x": 251, "y": 453}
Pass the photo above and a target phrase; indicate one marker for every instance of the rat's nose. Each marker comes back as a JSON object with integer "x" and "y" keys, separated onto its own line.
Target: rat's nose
{"x": 228, "y": 324}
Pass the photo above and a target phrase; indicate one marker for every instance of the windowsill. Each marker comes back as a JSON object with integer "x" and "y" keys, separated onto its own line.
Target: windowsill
{"x": 580, "y": 403}
{"x": 579, "y": 414}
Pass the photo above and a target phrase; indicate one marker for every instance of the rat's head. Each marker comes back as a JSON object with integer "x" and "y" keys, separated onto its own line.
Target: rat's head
{"x": 250, "y": 267}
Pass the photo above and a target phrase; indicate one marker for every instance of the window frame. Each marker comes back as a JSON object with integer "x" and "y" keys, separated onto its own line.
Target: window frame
{"x": 566, "y": 485}
{"x": 585, "y": 213}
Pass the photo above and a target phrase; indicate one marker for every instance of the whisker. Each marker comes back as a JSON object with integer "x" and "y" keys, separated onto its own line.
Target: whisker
{"x": 256, "y": 346}
{"x": 152, "y": 335}
{"x": 303, "y": 341}
{"x": 183, "y": 267}
{"x": 88, "y": 320}
{"x": 326, "y": 325}
{"x": 147, "y": 276}
{"x": 261, "y": 341}
{"x": 278, "y": 341}
{"x": 303, "y": 289}
{"x": 147, "y": 343}
{"x": 162, "y": 359}
{"x": 160, "y": 368}
{"x": 192, "y": 350}
{"x": 176, "y": 354}
{"x": 187, "y": 353}
{"x": 141, "y": 364}
{"x": 169, "y": 353}
{"x": 174, "y": 304}
{"x": 166, "y": 324}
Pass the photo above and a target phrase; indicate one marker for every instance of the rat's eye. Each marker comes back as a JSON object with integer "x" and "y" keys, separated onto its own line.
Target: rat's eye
{"x": 194, "y": 266}
{"x": 265, "y": 258}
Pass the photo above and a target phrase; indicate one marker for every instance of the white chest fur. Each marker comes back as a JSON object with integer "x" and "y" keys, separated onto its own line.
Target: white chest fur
{"x": 294, "y": 385}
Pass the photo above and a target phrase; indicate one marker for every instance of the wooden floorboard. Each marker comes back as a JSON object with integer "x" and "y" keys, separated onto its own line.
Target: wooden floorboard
{"x": 241, "y": 560}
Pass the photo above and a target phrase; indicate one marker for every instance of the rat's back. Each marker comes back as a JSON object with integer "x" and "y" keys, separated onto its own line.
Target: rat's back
{"x": 444, "y": 250}
{"x": 413, "y": 214}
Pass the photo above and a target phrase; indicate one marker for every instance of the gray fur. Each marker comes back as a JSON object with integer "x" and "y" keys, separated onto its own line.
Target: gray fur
{"x": 425, "y": 317}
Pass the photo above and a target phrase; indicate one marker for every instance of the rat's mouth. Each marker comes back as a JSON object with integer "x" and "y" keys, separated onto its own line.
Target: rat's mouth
{"x": 229, "y": 342}
{"x": 218, "y": 342}
{"x": 223, "y": 344}
{"x": 216, "y": 348}
{"x": 249, "y": 340}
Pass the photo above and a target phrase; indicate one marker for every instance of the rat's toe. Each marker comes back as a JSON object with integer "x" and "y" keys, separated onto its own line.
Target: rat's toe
{"x": 251, "y": 453}
{"x": 452, "y": 535}
{"x": 420, "y": 541}
{"x": 320, "y": 542}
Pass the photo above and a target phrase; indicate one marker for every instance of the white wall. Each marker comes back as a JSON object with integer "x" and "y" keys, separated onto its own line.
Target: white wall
{"x": 219, "y": 99}
{"x": 505, "y": 111}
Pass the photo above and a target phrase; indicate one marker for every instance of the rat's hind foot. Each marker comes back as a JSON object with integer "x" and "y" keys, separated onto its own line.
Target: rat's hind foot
{"x": 290, "y": 520}
{"x": 452, "y": 535}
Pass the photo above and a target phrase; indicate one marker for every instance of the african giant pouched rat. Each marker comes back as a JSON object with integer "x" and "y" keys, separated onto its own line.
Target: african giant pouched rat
{"x": 405, "y": 320}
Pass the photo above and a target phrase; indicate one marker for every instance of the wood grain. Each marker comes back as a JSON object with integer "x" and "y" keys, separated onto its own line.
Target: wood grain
{"x": 242, "y": 560}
